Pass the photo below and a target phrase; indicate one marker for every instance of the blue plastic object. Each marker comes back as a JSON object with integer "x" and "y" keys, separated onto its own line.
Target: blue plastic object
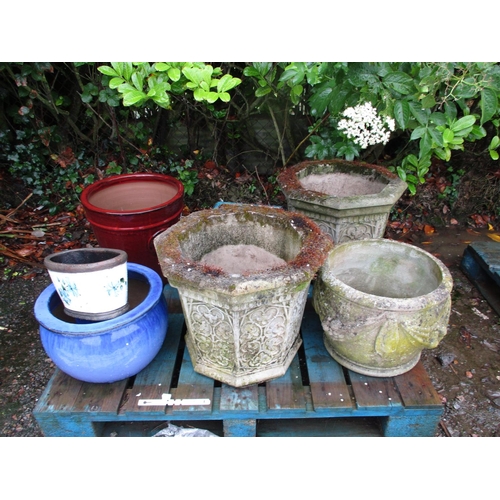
{"x": 110, "y": 350}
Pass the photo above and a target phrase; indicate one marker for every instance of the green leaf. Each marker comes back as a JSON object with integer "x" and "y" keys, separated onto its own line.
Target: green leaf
{"x": 438, "y": 118}
{"x": 137, "y": 81}
{"x": 489, "y": 105}
{"x": 418, "y": 133}
{"x": 227, "y": 82}
{"x": 260, "y": 92}
{"x": 107, "y": 70}
{"x": 463, "y": 123}
{"x": 131, "y": 97}
{"x": 401, "y": 173}
{"x": 448, "y": 135}
{"x": 116, "y": 82}
{"x": 251, "y": 71}
{"x": 174, "y": 74}
{"x": 402, "y": 113}
{"x": 495, "y": 142}
{"x": 494, "y": 155}
{"x": 428, "y": 101}
{"x": 118, "y": 66}
{"x": 421, "y": 115}
{"x": 161, "y": 66}
{"x": 399, "y": 81}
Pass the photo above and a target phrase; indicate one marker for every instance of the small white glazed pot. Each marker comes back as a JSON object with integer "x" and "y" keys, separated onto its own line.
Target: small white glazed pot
{"x": 91, "y": 282}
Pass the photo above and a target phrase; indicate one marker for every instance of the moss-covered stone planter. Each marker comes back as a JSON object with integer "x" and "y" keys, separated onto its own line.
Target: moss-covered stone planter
{"x": 242, "y": 328}
{"x": 382, "y": 302}
{"x": 348, "y": 200}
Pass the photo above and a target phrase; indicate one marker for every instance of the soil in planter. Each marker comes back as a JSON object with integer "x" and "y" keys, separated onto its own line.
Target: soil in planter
{"x": 242, "y": 259}
{"x": 340, "y": 184}
{"x": 133, "y": 196}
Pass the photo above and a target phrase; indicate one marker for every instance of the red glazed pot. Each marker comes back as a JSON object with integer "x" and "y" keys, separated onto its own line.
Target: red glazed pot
{"x": 127, "y": 211}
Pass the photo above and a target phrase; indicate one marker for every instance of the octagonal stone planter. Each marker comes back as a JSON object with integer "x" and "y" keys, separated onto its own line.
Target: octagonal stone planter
{"x": 242, "y": 326}
{"x": 382, "y": 302}
{"x": 348, "y": 200}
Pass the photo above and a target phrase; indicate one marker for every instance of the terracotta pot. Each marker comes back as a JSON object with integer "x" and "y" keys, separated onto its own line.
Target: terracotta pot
{"x": 127, "y": 211}
{"x": 91, "y": 282}
{"x": 358, "y": 205}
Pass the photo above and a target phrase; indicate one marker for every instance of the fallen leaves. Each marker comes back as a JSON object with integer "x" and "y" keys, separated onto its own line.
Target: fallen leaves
{"x": 494, "y": 236}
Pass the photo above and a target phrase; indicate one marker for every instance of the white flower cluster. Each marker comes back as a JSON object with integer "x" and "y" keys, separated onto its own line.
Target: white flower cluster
{"x": 365, "y": 127}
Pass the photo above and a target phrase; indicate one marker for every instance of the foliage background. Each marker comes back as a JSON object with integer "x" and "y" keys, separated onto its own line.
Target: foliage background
{"x": 64, "y": 125}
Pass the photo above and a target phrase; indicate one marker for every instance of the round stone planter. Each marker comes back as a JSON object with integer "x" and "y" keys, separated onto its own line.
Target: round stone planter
{"x": 348, "y": 200}
{"x": 110, "y": 350}
{"x": 242, "y": 325}
{"x": 382, "y": 302}
{"x": 127, "y": 211}
{"x": 91, "y": 282}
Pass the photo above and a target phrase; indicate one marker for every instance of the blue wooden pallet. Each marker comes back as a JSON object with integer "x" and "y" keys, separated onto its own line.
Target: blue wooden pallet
{"x": 316, "y": 397}
{"x": 481, "y": 264}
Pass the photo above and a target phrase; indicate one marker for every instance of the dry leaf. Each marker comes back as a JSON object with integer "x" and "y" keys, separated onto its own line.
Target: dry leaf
{"x": 454, "y": 222}
{"x": 494, "y": 236}
{"x": 428, "y": 229}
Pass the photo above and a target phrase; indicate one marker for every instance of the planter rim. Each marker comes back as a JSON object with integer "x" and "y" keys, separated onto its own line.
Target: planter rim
{"x": 120, "y": 257}
{"x": 123, "y": 178}
{"x": 441, "y": 292}
{"x": 314, "y": 250}
{"x": 50, "y": 322}
{"x": 291, "y": 186}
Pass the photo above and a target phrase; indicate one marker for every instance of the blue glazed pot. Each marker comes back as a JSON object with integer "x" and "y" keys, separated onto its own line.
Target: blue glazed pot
{"x": 110, "y": 350}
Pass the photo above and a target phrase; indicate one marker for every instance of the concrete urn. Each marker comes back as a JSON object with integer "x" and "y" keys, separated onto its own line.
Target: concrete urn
{"x": 382, "y": 302}
{"x": 242, "y": 327}
{"x": 349, "y": 200}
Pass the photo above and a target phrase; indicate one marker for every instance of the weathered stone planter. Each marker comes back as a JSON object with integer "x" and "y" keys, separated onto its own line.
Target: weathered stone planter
{"x": 382, "y": 302}
{"x": 242, "y": 328}
{"x": 348, "y": 200}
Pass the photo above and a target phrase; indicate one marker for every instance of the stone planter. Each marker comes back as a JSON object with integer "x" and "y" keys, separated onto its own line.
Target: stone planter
{"x": 242, "y": 325}
{"x": 91, "y": 282}
{"x": 382, "y": 302}
{"x": 348, "y": 200}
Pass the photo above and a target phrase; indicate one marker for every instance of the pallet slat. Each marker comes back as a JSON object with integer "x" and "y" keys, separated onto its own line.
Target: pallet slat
{"x": 326, "y": 377}
{"x": 156, "y": 379}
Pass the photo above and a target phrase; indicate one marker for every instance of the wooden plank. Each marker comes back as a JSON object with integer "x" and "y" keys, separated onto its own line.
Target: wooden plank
{"x": 156, "y": 378}
{"x": 234, "y": 399}
{"x": 192, "y": 385}
{"x": 240, "y": 427}
{"x": 173, "y": 301}
{"x": 326, "y": 377}
{"x": 287, "y": 391}
{"x": 374, "y": 392}
{"x": 100, "y": 398}
{"x": 60, "y": 394}
{"x": 416, "y": 388}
